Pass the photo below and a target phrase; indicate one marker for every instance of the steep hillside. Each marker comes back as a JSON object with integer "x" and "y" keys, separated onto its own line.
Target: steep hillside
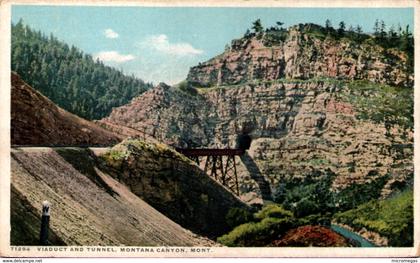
{"x": 392, "y": 218}
{"x": 172, "y": 184}
{"x": 314, "y": 108}
{"x": 72, "y": 80}
{"x": 88, "y": 206}
{"x": 169, "y": 115}
{"x": 35, "y": 120}
{"x": 166, "y": 180}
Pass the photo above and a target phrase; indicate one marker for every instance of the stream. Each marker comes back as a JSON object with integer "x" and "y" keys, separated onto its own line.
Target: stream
{"x": 353, "y": 236}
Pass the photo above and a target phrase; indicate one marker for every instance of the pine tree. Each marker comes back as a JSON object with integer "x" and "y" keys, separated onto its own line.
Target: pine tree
{"x": 399, "y": 30}
{"x": 392, "y": 34}
{"x": 328, "y": 25}
{"x": 359, "y": 29}
{"x": 68, "y": 77}
{"x": 407, "y": 42}
{"x": 341, "y": 29}
{"x": 257, "y": 26}
{"x": 247, "y": 34}
{"x": 382, "y": 30}
{"x": 279, "y": 25}
{"x": 376, "y": 28}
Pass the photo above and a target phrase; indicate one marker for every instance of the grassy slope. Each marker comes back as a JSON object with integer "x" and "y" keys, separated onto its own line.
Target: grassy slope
{"x": 381, "y": 103}
{"x": 392, "y": 218}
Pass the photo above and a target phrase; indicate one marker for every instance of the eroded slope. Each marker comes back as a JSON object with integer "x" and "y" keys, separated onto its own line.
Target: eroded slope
{"x": 88, "y": 207}
{"x": 35, "y": 120}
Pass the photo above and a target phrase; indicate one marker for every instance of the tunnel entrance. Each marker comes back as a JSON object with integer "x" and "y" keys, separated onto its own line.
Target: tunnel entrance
{"x": 244, "y": 141}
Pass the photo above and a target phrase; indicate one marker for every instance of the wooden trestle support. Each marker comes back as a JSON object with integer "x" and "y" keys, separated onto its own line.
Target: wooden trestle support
{"x": 219, "y": 164}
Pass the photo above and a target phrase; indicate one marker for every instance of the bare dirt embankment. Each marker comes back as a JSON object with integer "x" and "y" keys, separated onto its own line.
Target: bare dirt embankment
{"x": 35, "y": 120}
{"x": 88, "y": 207}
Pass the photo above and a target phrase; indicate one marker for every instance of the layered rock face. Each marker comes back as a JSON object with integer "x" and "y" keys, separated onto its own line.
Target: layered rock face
{"x": 302, "y": 56}
{"x": 298, "y": 127}
{"x": 35, "y": 120}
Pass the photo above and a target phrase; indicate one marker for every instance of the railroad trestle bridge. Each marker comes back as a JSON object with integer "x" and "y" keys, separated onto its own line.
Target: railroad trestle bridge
{"x": 219, "y": 164}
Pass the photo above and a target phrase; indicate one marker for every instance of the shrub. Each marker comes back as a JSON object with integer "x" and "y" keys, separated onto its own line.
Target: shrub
{"x": 238, "y": 216}
{"x": 257, "y": 234}
{"x": 392, "y": 218}
{"x": 316, "y": 219}
{"x": 306, "y": 207}
{"x": 274, "y": 211}
{"x": 115, "y": 158}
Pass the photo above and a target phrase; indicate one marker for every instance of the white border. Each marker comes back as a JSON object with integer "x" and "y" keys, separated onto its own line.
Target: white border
{"x": 5, "y": 249}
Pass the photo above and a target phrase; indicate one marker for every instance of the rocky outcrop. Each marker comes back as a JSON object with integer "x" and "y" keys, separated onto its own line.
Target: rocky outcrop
{"x": 35, "y": 120}
{"x": 166, "y": 114}
{"x": 297, "y": 128}
{"x": 299, "y": 103}
{"x": 302, "y": 56}
{"x": 88, "y": 206}
{"x": 174, "y": 185}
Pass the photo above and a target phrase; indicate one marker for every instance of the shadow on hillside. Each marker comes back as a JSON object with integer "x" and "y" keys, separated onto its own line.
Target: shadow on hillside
{"x": 84, "y": 161}
{"x": 257, "y": 176}
{"x": 25, "y": 223}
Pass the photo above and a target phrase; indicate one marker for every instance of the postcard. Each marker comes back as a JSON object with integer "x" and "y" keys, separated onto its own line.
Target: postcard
{"x": 209, "y": 129}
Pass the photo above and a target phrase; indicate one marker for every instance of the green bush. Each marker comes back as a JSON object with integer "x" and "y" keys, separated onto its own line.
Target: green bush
{"x": 392, "y": 218}
{"x": 357, "y": 194}
{"x": 306, "y": 196}
{"x": 238, "y": 216}
{"x": 313, "y": 195}
{"x": 257, "y": 234}
{"x": 316, "y": 219}
{"x": 305, "y": 207}
{"x": 274, "y": 211}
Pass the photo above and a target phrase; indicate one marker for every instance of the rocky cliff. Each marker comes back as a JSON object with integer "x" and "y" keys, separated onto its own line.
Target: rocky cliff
{"x": 297, "y": 128}
{"x": 301, "y": 104}
{"x": 35, "y": 120}
{"x": 299, "y": 53}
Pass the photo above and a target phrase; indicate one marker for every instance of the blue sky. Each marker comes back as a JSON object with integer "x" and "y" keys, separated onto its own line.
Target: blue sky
{"x": 162, "y": 43}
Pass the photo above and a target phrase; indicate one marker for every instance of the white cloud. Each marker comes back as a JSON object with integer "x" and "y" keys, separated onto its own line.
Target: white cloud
{"x": 113, "y": 56}
{"x": 109, "y": 33}
{"x": 161, "y": 43}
